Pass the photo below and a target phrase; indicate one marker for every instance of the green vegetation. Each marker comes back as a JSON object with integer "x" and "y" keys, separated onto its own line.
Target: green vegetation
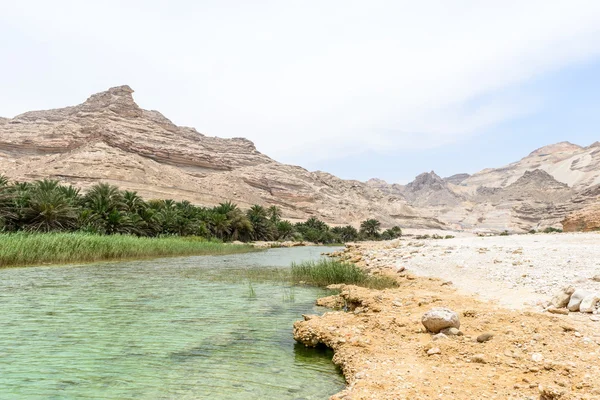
{"x": 47, "y": 206}
{"x": 552, "y": 230}
{"x": 24, "y": 248}
{"x": 327, "y": 272}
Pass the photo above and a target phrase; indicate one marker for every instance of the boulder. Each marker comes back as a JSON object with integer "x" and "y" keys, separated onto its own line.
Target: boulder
{"x": 589, "y": 303}
{"x": 561, "y": 299}
{"x": 437, "y": 319}
{"x": 576, "y": 299}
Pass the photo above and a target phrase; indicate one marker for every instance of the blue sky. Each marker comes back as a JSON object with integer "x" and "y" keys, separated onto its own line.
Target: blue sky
{"x": 360, "y": 89}
{"x": 570, "y": 112}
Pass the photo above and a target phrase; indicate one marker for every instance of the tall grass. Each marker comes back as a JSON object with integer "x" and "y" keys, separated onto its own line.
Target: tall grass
{"x": 19, "y": 249}
{"x": 327, "y": 272}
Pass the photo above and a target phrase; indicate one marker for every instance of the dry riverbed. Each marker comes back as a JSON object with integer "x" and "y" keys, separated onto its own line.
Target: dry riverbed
{"x": 386, "y": 353}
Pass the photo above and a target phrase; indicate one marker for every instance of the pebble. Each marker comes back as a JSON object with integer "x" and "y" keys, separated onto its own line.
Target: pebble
{"x": 478, "y": 358}
{"x": 434, "y": 350}
{"x": 562, "y": 311}
{"x": 537, "y": 357}
{"x": 484, "y": 337}
{"x": 451, "y": 332}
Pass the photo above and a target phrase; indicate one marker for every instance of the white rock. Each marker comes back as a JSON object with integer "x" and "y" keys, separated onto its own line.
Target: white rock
{"x": 433, "y": 351}
{"x": 537, "y": 357}
{"x": 589, "y": 303}
{"x": 576, "y": 299}
{"x": 437, "y": 319}
{"x": 561, "y": 299}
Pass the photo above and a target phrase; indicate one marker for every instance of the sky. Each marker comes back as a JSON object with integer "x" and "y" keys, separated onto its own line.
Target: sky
{"x": 360, "y": 89}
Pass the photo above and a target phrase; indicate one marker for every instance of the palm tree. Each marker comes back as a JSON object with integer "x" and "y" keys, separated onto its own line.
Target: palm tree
{"x": 133, "y": 202}
{"x": 105, "y": 203}
{"x": 263, "y": 228}
{"x": 226, "y": 208}
{"x": 49, "y": 210}
{"x": 285, "y": 230}
{"x": 274, "y": 214}
{"x": 240, "y": 226}
{"x": 218, "y": 224}
{"x": 370, "y": 228}
{"x": 71, "y": 193}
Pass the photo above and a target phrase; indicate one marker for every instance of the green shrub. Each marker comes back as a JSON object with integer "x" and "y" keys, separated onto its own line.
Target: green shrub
{"x": 552, "y": 230}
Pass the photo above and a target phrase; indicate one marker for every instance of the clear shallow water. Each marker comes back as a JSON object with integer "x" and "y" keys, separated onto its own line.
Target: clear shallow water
{"x": 159, "y": 329}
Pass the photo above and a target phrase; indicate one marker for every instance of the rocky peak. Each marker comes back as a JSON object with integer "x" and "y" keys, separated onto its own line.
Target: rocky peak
{"x": 593, "y": 145}
{"x": 118, "y": 99}
{"x": 552, "y": 149}
{"x": 456, "y": 179}
{"x": 538, "y": 178}
{"x": 427, "y": 180}
{"x": 376, "y": 182}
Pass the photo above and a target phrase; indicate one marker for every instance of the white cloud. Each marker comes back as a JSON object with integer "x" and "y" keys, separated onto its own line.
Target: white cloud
{"x": 304, "y": 80}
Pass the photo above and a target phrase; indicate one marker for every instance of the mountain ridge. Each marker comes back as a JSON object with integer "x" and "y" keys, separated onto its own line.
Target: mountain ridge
{"x": 110, "y": 138}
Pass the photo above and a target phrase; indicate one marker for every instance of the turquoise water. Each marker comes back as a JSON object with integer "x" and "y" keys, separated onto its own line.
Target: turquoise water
{"x": 159, "y": 329}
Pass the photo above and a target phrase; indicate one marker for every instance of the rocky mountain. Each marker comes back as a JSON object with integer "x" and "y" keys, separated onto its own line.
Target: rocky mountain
{"x": 555, "y": 185}
{"x": 110, "y": 138}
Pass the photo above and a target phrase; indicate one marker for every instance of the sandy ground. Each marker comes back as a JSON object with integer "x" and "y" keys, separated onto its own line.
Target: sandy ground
{"x": 382, "y": 346}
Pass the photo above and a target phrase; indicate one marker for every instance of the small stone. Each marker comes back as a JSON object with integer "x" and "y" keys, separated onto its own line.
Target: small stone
{"x": 595, "y": 318}
{"x": 596, "y": 278}
{"x": 484, "y": 337}
{"x": 549, "y": 393}
{"x": 437, "y": 319}
{"x": 561, "y": 299}
{"x": 562, "y": 311}
{"x": 577, "y": 334}
{"x": 451, "y": 332}
{"x": 589, "y": 303}
{"x": 439, "y": 336}
{"x": 537, "y": 357}
{"x": 478, "y": 358}
{"x": 434, "y": 350}
{"x": 576, "y": 299}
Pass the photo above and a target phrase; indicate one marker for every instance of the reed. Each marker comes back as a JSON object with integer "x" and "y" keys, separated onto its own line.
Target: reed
{"x": 21, "y": 249}
{"x": 326, "y": 272}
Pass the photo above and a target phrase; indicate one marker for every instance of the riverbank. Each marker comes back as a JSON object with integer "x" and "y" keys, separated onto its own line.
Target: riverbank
{"x": 385, "y": 352}
{"x": 22, "y": 249}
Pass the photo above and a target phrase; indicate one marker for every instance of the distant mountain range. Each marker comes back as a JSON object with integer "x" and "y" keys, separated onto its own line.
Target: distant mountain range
{"x": 110, "y": 138}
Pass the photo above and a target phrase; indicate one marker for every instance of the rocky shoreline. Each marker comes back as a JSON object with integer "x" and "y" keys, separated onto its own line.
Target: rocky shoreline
{"x": 385, "y": 351}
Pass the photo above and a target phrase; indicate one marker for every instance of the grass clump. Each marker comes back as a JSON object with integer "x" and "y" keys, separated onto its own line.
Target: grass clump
{"x": 328, "y": 272}
{"x": 19, "y": 249}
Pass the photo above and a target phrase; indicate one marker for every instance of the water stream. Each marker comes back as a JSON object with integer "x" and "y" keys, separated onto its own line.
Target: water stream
{"x": 159, "y": 329}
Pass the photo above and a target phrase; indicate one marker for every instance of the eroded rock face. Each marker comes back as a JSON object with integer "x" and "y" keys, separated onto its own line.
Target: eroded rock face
{"x": 438, "y": 319}
{"x": 110, "y": 138}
